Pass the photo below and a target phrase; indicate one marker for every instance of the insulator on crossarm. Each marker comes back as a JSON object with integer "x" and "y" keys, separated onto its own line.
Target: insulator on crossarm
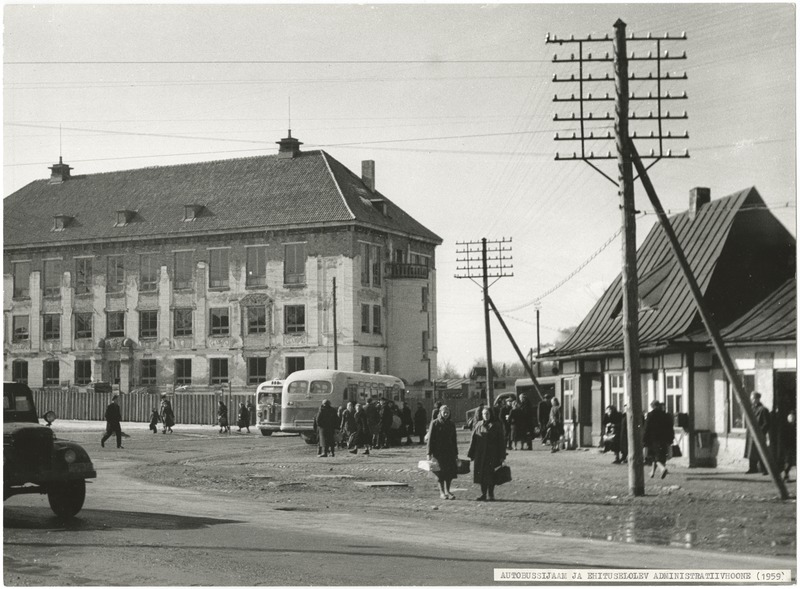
{"x": 633, "y": 94}
{"x": 591, "y": 135}
{"x": 683, "y": 55}
{"x": 669, "y": 153}
{"x": 589, "y": 38}
{"x": 608, "y": 134}
{"x": 686, "y": 134}
{"x": 668, "y": 94}
{"x": 669, "y": 134}
{"x": 547, "y": 38}
{"x": 555, "y": 57}
{"x": 652, "y": 134}
{"x": 589, "y": 56}
{"x": 574, "y": 155}
{"x": 667, "y": 114}
{"x": 573, "y": 116}
{"x": 572, "y": 97}
{"x": 572, "y": 77}
{"x": 650, "y": 114}
{"x": 606, "y": 54}
{"x": 633, "y": 76}
{"x": 589, "y": 77}
{"x": 652, "y": 153}
{"x": 590, "y": 115}
{"x": 666, "y": 53}
{"x": 607, "y": 37}
{"x": 684, "y": 114}
{"x": 684, "y": 94}
{"x": 557, "y": 156}
{"x": 608, "y": 154}
{"x": 555, "y": 77}
{"x": 666, "y": 75}
{"x": 572, "y": 56}
{"x": 685, "y": 153}
{"x": 649, "y": 53}
{"x": 650, "y": 76}
{"x": 649, "y": 35}
{"x": 591, "y": 154}
{"x": 608, "y": 76}
{"x": 555, "y": 97}
{"x": 683, "y": 35}
{"x": 607, "y": 96}
{"x": 556, "y": 137}
{"x": 649, "y": 94}
{"x": 589, "y": 96}
{"x": 572, "y": 37}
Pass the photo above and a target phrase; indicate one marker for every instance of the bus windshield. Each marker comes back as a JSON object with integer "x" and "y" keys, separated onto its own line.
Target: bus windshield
{"x": 298, "y": 387}
{"x": 269, "y": 398}
{"x": 321, "y": 387}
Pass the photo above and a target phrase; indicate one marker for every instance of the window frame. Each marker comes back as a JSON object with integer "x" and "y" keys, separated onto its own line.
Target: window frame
{"x": 19, "y": 338}
{"x": 377, "y": 320}
{"x": 253, "y": 327}
{"x": 219, "y": 321}
{"x": 81, "y": 331}
{"x": 184, "y": 269}
{"x": 673, "y": 399}
{"x": 51, "y": 287}
{"x": 51, "y": 373}
{"x": 21, "y": 288}
{"x": 568, "y": 396}
{"x": 366, "y": 362}
{"x": 256, "y": 376}
{"x": 84, "y": 271}
{"x": 81, "y": 378}
{"x": 180, "y": 371}
{"x": 259, "y": 265}
{"x": 148, "y": 273}
{"x": 215, "y": 365}
{"x": 148, "y": 324}
{"x": 298, "y": 361}
{"x": 377, "y": 364}
{"x": 616, "y": 392}
{"x": 51, "y": 326}
{"x": 115, "y": 275}
{"x": 180, "y": 317}
{"x": 148, "y": 371}
{"x": 219, "y": 267}
{"x": 294, "y": 264}
{"x": 18, "y": 366}
{"x": 115, "y": 315}
{"x": 294, "y": 327}
{"x": 365, "y": 317}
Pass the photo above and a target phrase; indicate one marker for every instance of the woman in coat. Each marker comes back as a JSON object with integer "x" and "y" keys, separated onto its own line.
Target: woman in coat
{"x": 516, "y": 423}
{"x": 222, "y": 418}
{"x": 658, "y": 436}
{"x": 555, "y": 425}
{"x": 487, "y": 451}
{"x": 420, "y": 423}
{"x": 442, "y": 446}
{"x": 167, "y": 415}
{"x": 327, "y": 420}
{"x": 243, "y": 418}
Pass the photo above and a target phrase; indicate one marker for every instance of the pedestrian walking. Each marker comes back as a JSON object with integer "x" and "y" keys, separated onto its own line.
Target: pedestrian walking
{"x": 789, "y": 439}
{"x": 387, "y": 418}
{"x": 348, "y": 428}
{"x": 408, "y": 423}
{"x": 251, "y": 410}
{"x": 436, "y": 407}
{"x": 761, "y": 414}
{"x": 113, "y": 417}
{"x": 374, "y": 422}
{"x": 543, "y": 415}
{"x": 527, "y": 429}
{"x": 623, "y": 435}
{"x": 555, "y": 425}
{"x": 363, "y": 436}
{"x": 443, "y": 446}
{"x": 243, "y": 418}
{"x": 327, "y": 420}
{"x": 155, "y": 418}
{"x": 420, "y": 422}
{"x": 222, "y": 418}
{"x": 658, "y": 436}
{"x": 503, "y": 415}
{"x": 167, "y": 414}
{"x": 612, "y": 420}
{"x": 487, "y": 450}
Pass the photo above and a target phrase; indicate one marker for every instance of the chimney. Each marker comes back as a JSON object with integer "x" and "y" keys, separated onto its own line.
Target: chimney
{"x": 59, "y": 172}
{"x": 289, "y": 147}
{"x": 698, "y": 197}
{"x": 368, "y": 174}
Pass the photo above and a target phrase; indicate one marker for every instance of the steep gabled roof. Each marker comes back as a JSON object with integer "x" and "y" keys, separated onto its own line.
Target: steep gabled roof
{"x": 667, "y": 312}
{"x": 247, "y": 193}
{"x": 772, "y": 320}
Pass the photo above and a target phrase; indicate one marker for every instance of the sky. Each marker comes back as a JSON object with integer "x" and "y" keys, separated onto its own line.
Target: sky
{"x": 454, "y": 103}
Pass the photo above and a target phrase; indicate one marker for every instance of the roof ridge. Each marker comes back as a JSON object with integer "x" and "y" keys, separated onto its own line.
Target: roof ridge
{"x": 325, "y": 157}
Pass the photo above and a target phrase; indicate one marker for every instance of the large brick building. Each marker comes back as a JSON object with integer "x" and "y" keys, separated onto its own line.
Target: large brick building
{"x": 205, "y": 274}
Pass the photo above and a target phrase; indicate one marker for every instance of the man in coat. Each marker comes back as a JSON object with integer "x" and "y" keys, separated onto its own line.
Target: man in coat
{"x": 374, "y": 422}
{"x": 327, "y": 420}
{"x": 408, "y": 422}
{"x": 658, "y": 436}
{"x": 113, "y": 423}
{"x": 420, "y": 422}
{"x": 762, "y": 423}
{"x": 528, "y": 417}
{"x": 387, "y": 418}
{"x": 543, "y": 413}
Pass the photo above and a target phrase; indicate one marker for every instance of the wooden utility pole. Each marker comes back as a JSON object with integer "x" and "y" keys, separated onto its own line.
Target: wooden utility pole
{"x": 538, "y": 344}
{"x": 489, "y": 378}
{"x": 335, "y": 338}
{"x": 630, "y": 290}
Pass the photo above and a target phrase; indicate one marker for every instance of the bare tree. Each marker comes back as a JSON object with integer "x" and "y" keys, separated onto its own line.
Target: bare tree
{"x": 446, "y": 369}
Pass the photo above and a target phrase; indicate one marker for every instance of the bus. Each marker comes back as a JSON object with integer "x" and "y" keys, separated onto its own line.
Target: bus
{"x": 268, "y": 406}
{"x": 304, "y": 391}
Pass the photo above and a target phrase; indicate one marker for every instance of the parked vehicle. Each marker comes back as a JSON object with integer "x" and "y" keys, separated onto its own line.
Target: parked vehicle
{"x": 36, "y": 461}
{"x": 268, "y": 406}
{"x": 304, "y": 391}
{"x": 547, "y": 384}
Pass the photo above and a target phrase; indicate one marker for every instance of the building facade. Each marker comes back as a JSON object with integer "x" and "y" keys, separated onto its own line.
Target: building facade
{"x": 215, "y": 275}
{"x": 744, "y": 261}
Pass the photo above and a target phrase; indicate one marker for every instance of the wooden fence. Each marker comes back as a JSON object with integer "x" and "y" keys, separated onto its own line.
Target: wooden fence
{"x": 189, "y": 408}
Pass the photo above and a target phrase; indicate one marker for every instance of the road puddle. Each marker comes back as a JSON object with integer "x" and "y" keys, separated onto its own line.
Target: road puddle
{"x": 647, "y": 528}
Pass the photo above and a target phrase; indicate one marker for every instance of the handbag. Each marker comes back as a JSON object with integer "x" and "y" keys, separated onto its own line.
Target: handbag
{"x": 429, "y": 465}
{"x": 462, "y": 466}
{"x": 502, "y": 474}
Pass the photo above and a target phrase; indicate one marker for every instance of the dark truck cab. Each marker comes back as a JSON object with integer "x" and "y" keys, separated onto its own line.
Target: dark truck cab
{"x": 35, "y": 461}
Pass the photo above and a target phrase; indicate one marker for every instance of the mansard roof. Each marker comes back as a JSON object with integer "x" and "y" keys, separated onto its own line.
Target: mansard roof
{"x": 254, "y": 193}
{"x": 740, "y": 255}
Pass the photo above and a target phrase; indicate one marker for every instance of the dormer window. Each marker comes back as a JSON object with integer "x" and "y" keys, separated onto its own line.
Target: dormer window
{"x": 192, "y": 212}
{"x": 379, "y": 204}
{"x": 124, "y": 216}
{"x": 61, "y": 222}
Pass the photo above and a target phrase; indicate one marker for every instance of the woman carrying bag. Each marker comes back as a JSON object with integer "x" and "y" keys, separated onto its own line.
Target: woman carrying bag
{"x": 487, "y": 451}
{"x": 443, "y": 447}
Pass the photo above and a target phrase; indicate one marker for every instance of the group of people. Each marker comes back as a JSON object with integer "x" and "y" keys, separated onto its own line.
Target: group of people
{"x": 779, "y": 431}
{"x": 487, "y": 451}
{"x": 522, "y": 425}
{"x": 244, "y": 417}
{"x": 658, "y": 435}
{"x": 368, "y": 426}
{"x": 113, "y": 416}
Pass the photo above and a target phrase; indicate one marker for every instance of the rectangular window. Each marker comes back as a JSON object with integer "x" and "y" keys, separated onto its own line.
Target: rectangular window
{"x": 424, "y": 298}
{"x": 52, "y": 326}
{"x": 295, "y": 318}
{"x": 295, "y": 363}
{"x": 83, "y": 372}
{"x": 256, "y": 319}
{"x": 616, "y": 385}
{"x": 256, "y": 370}
{"x": 376, "y": 265}
{"x": 220, "y": 321}
{"x": 257, "y": 265}
{"x": 83, "y": 276}
{"x": 51, "y": 280}
{"x": 377, "y": 364}
{"x": 148, "y": 273}
{"x": 364, "y": 318}
{"x": 19, "y": 371}
{"x": 115, "y": 280}
{"x": 424, "y": 344}
{"x": 218, "y": 268}
{"x": 294, "y": 265}
{"x": 399, "y": 256}
{"x": 365, "y": 264}
{"x": 183, "y": 270}
{"x": 115, "y": 324}
{"x": 22, "y": 275}
{"x": 147, "y": 371}
{"x": 183, "y": 371}
{"x": 21, "y": 326}
{"x": 365, "y": 363}
{"x": 376, "y": 319}
{"x": 182, "y": 322}
{"x": 736, "y": 419}
{"x": 51, "y": 377}
{"x": 83, "y": 325}
{"x": 219, "y": 370}
{"x": 673, "y": 393}
{"x": 568, "y": 399}
{"x": 114, "y": 371}
{"x": 148, "y": 324}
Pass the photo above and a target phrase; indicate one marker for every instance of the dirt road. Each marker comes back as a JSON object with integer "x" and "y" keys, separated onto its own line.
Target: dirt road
{"x": 199, "y": 508}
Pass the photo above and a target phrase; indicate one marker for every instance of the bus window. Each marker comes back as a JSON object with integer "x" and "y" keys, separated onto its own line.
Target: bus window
{"x": 298, "y": 387}
{"x": 321, "y": 387}
{"x": 352, "y": 391}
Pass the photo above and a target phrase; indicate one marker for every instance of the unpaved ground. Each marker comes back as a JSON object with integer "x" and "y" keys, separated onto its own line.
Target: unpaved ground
{"x": 576, "y": 493}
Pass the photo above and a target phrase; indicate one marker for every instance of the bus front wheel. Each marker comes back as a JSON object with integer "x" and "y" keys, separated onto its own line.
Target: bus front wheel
{"x": 310, "y": 438}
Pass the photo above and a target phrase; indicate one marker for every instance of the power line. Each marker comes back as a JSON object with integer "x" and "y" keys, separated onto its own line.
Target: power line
{"x": 279, "y": 62}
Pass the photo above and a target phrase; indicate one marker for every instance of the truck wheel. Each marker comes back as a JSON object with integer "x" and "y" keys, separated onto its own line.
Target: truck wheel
{"x": 310, "y": 439}
{"x": 66, "y": 499}
{"x": 266, "y": 432}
